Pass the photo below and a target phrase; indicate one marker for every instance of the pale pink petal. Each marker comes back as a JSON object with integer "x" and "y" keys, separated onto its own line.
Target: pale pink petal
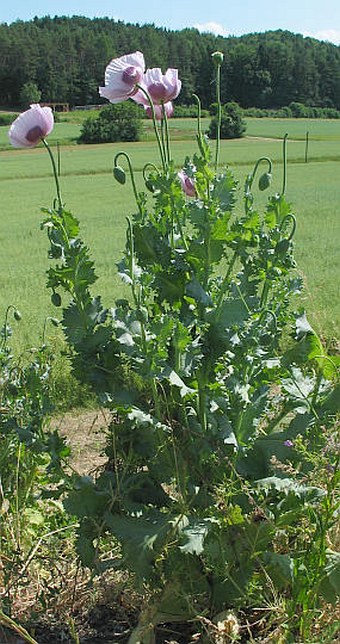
{"x": 162, "y": 88}
{"x": 114, "y": 95}
{"x": 121, "y": 76}
{"x": 45, "y": 117}
{"x": 140, "y": 98}
{"x": 169, "y": 110}
{"x": 171, "y": 76}
{"x": 153, "y": 76}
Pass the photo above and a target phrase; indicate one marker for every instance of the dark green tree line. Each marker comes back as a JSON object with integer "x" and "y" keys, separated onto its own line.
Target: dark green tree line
{"x": 66, "y": 58}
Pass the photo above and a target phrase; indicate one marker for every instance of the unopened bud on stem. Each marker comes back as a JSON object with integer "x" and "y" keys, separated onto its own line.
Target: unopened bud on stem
{"x": 218, "y": 58}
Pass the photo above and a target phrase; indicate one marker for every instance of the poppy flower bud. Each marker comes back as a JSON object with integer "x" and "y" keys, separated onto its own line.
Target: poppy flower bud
{"x": 187, "y": 183}
{"x": 282, "y": 247}
{"x": 218, "y": 58}
{"x": 265, "y": 181}
{"x": 119, "y": 174}
{"x": 56, "y": 299}
{"x": 149, "y": 185}
{"x": 54, "y": 321}
{"x": 17, "y": 315}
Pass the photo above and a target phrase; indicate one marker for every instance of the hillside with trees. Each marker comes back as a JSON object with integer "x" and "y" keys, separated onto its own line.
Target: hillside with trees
{"x": 64, "y": 60}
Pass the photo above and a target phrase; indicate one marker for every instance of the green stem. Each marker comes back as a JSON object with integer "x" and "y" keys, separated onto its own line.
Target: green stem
{"x": 250, "y": 180}
{"x": 225, "y": 282}
{"x": 56, "y": 178}
{"x": 5, "y": 336}
{"x": 10, "y": 623}
{"x": 284, "y": 180}
{"x": 149, "y": 165}
{"x": 154, "y": 120}
{"x": 219, "y": 115}
{"x": 137, "y": 304}
{"x": 264, "y": 294}
{"x": 199, "y": 125}
{"x": 167, "y": 135}
{"x": 292, "y": 218}
{"x": 134, "y": 187}
{"x": 164, "y": 142}
{"x": 202, "y": 411}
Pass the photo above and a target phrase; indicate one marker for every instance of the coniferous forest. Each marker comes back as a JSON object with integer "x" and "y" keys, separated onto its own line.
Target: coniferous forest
{"x": 65, "y": 57}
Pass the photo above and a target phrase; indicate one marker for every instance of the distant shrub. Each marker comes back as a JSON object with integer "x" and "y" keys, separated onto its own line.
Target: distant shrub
{"x": 298, "y": 110}
{"x": 293, "y": 110}
{"x": 121, "y": 122}
{"x": 255, "y": 112}
{"x": 283, "y": 113}
{"x": 189, "y": 111}
{"x": 232, "y": 124}
{"x": 7, "y": 118}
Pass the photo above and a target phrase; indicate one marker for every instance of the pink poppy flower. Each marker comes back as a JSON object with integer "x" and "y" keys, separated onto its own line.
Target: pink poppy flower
{"x": 169, "y": 110}
{"x": 161, "y": 87}
{"x": 187, "y": 183}
{"x": 31, "y": 126}
{"x": 121, "y": 76}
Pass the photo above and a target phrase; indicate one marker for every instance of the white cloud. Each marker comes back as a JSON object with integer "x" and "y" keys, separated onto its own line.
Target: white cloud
{"x": 330, "y": 35}
{"x": 212, "y": 28}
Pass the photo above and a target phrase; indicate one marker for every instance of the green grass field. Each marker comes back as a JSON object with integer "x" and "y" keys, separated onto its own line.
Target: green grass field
{"x": 101, "y": 204}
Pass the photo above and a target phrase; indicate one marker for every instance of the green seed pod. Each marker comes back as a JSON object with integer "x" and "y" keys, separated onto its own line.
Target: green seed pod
{"x": 119, "y": 174}
{"x": 17, "y": 315}
{"x": 56, "y": 299}
{"x": 54, "y": 321}
{"x": 265, "y": 181}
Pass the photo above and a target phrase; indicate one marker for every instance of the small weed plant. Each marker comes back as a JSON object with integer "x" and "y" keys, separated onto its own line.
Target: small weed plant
{"x": 219, "y": 424}
{"x": 30, "y": 467}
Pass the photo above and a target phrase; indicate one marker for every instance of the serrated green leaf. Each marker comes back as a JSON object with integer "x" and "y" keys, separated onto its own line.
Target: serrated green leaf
{"x": 280, "y": 568}
{"x": 86, "y": 500}
{"x": 331, "y": 403}
{"x": 195, "y": 290}
{"x": 308, "y": 493}
{"x": 74, "y": 326}
{"x": 224, "y": 191}
{"x": 193, "y": 536}
{"x": 141, "y": 538}
{"x": 232, "y": 311}
{"x": 150, "y": 245}
{"x": 86, "y": 550}
{"x": 330, "y": 584}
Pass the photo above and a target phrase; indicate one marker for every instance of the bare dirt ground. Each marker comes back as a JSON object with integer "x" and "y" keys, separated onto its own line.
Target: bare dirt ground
{"x": 85, "y": 432}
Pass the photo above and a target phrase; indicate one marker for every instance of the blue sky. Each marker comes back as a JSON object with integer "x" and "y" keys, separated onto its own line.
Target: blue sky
{"x": 318, "y": 19}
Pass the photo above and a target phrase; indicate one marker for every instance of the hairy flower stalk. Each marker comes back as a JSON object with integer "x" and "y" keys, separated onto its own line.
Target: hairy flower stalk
{"x": 157, "y": 91}
{"x": 264, "y": 182}
{"x": 55, "y": 174}
{"x": 154, "y": 121}
{"x": 284, "y": 180}
{"x": 117, "y": 168}
{"x": 217, "y": 57}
